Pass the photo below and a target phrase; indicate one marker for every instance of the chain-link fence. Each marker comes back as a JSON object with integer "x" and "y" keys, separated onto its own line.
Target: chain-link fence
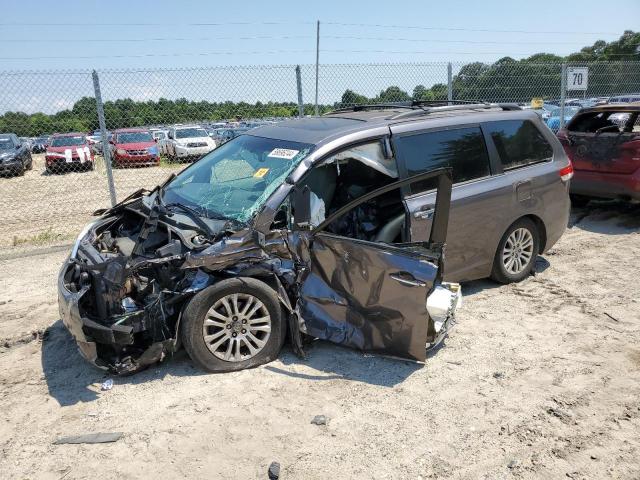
{"x": 56, "y": 169}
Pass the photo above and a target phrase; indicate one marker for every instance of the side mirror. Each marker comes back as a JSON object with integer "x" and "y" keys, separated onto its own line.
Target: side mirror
{"x": 18, "y": 146}
{"x": 302, "y": 208}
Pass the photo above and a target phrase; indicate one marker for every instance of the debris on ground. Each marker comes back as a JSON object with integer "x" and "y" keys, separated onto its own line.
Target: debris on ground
{"x": 319, "y": 420}
{"x": 274, "y": 471}
{"x": 107, "y": 385}
{"x": 100, "y": 437}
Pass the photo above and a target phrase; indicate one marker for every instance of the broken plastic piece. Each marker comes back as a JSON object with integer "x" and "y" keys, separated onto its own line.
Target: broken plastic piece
{"x": 100, "y": 437}
{"x": 107, "y": 384}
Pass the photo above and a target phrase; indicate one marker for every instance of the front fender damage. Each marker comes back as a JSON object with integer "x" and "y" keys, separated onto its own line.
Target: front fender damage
{"x": 125, "y": 313}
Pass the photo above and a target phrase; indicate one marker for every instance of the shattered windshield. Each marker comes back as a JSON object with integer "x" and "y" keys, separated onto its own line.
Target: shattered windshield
{"x": 234, "y": 180}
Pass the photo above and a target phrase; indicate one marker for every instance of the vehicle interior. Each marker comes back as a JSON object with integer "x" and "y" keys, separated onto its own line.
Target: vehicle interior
{"x": 346, "y": 176}
{"x": 606, "y": 122}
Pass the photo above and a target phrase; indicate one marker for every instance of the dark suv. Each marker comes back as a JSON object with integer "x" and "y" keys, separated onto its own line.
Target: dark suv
{"x": 15, "y": 156}
{"x": 331, "y": 227}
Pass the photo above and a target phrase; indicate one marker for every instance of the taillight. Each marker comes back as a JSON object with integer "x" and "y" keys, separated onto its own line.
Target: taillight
{"x": 566, "y": 173}
{"x": 562, "y": 135}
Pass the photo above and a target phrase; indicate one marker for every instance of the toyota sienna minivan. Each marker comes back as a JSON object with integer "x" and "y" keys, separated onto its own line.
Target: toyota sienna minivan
{"x": 350, "y": 227}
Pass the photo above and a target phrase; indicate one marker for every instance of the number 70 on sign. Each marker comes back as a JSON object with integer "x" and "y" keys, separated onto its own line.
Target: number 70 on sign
{"x": 577, "y": 78}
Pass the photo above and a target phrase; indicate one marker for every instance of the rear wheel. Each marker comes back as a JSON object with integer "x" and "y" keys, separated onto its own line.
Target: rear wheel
{"x": 232, "y": 325}
{"x": 517, "y": 252}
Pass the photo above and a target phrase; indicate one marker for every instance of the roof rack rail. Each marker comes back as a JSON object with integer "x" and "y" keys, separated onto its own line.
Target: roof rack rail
{"x": 423, "y": 107}
{"x": 372, "y": 106}
{"x": 449, "y": 108}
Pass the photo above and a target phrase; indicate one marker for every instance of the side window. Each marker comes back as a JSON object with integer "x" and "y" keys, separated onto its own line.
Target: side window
{"x": 462, "y": 149}
{"x": 519, "y": 143}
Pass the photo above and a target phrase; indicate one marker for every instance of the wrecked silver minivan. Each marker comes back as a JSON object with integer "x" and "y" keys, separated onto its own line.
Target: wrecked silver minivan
{"x": 282, "y": 232}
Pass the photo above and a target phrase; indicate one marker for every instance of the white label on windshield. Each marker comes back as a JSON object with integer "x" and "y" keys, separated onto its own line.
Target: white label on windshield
{"x": 283, "y": 153}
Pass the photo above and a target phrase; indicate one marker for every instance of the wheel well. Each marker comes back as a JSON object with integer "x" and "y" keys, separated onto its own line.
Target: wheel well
{"x": 542, "y": 230}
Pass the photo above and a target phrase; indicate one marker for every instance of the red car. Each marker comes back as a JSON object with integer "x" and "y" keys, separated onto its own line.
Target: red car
{"x": 134, "y": 146}
{"x": 68, "y": 152}
{"x": 604, "y": 145}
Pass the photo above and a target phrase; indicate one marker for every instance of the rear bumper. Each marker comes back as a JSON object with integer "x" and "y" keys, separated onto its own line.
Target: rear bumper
{"x": 556, "y": 223}
{"x": 606, "y": 185}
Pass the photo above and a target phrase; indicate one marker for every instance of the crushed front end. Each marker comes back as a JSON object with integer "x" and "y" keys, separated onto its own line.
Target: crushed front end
{"x": 121, "y": 290}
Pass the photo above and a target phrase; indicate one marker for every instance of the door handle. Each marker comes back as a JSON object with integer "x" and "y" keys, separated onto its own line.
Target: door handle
{"x": 407, "y": 279}
{"x": 425, "y": 212}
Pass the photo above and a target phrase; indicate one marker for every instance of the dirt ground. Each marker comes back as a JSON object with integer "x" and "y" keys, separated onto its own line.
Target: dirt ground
{"x": 538, "y": 380}
{"x": 42, "y": 208}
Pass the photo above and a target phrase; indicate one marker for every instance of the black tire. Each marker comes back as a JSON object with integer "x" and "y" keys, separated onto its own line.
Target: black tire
{"x": 579, "y": 201}
{"x": 196, "y": 311}
{"x": 499, "y": 272}
{"x": 20, "y": 170}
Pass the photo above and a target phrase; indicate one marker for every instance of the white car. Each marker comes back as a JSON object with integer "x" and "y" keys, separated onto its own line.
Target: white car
{"x": 188, "y": 142}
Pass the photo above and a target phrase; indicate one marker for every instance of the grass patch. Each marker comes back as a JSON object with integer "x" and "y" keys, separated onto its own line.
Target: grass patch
{"x": 42, "y": 238}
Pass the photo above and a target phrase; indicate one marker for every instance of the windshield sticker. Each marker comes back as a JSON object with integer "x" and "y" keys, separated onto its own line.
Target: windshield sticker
{"x": 283, "y": 153}
{"x": 261, "y": 172}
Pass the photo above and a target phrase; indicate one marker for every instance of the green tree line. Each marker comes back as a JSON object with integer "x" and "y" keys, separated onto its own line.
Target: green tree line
{"x": 506, "y": 80}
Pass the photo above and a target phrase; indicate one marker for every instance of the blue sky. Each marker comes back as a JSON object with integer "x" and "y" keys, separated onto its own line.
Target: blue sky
{"x": 162, "y": 33}
{"x": 198, "y": 45}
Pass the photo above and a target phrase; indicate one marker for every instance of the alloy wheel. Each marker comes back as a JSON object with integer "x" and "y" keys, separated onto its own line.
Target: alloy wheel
{"x": 518, "y": 251}
{"x": 236, "y": 327}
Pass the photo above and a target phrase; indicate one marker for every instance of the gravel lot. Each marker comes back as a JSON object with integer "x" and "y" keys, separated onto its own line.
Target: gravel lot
{"x": 49, "y": 209}
{"x": 538, "y": 380}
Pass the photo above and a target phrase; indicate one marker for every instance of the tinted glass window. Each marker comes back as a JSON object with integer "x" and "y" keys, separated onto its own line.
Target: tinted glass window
{"x": 519, "y": 143}
{"x": 461, "y": 149}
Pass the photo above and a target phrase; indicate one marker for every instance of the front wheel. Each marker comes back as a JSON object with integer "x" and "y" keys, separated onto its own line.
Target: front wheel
{"x": 517, "y": 252}
{"x": 234, "y": 324}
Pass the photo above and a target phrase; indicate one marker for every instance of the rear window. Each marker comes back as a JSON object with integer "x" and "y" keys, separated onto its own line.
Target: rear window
{"x": 519, "y": 143}
{"x": 461, "y": 149}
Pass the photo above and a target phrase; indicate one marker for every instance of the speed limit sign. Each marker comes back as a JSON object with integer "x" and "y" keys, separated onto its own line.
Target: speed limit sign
{"x": 577, "y": 78}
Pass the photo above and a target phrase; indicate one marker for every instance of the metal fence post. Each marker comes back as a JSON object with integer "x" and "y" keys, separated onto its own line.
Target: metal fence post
{"x": 449, "y": 83}
{"x": 317, "y": 63}
{"x": 299, "y": 86}
{"x": 563, "y": 93}
{"x": 106, "y": 153}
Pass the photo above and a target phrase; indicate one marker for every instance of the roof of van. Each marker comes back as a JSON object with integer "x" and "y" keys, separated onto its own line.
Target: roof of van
{"x": 313, "y": 130}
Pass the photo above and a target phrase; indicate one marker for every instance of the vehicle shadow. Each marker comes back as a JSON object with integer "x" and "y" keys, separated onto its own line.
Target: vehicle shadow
{"x": 71, "y": 379}
{"x": 609, "y": 217}
{"x": 327, "y": 361}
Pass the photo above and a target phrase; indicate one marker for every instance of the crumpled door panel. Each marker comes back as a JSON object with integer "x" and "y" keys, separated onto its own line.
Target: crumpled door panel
{"x": 367, "y": 296}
